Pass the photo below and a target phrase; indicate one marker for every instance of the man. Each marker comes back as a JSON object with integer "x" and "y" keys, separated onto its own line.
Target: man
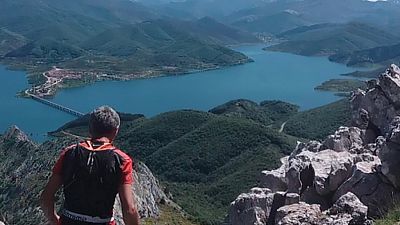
{"x": 91, "y": 174}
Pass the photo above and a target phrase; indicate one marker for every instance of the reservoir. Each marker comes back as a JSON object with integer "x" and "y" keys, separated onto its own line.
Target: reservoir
{"x": 273, "y": 76}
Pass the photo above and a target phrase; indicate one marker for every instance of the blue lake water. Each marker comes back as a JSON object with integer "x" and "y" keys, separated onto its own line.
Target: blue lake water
{"x": 272, "y": 76}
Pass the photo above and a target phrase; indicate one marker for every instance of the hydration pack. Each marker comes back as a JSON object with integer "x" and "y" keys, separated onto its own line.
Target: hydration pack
{"x": 91, "y": 180}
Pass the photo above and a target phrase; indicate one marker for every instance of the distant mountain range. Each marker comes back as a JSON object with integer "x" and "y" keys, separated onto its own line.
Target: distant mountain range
{"x": 384, "y": 55}
{"x": 272, "y": 24}
{"x": 329, "y": 39}
{"x": 121, "y": 37}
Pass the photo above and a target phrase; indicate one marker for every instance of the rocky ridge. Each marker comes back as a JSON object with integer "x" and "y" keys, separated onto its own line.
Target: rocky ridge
{"x": 25, "y": 169}
{"x": 349, "y": 178}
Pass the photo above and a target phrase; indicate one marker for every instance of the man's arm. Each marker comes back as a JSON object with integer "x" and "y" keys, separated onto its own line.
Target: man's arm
{"x": 48, "y": 197}
{"x": 129, "y": 212}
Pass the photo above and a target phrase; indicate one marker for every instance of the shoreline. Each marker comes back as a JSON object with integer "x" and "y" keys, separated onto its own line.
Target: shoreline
{"x": 79, "y": 78}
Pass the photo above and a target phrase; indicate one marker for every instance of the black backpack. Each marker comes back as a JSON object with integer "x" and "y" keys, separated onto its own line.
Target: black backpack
{"x": 91, "y": 180}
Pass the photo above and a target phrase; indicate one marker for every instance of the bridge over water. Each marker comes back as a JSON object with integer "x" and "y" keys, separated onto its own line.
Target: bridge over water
{"x": 56, "y": 106}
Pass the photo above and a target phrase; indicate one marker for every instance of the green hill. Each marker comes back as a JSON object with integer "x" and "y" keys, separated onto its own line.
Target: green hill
{"x": 272, "y": 24}
{"x": 48, "y": 49}
{"x": 316, "y": 124}
{"x": 329, "y": 39}
{"x": 10, "y": 41}
{"x": 381, "y": 56}
{"x": 123, "y": 38}
{"x": 204, "y": 158}
{"x": 208, "y": 28}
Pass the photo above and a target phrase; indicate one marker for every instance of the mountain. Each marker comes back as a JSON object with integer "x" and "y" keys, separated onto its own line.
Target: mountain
{"x": 202, "y": 8}
{"x": 382, "y": 56}
{"x": 155, "y": 45}
{"x": 208, "y": 28}
{"x": 10, "y": 41}
{"x": 322, "y": 11}
{"x": 272, "y": 24}
{"x": 274, "y": 17}
{"x": 24, "y": 16}
{"x": 329, "y": 39}
{"x": 124, "y": 39}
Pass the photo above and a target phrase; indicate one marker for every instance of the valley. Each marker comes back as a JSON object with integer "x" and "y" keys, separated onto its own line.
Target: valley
{"x": 258, "y": 81}
{"x": 210, "y": 93}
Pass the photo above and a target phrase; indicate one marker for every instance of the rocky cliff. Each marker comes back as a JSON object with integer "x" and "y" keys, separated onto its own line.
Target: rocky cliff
{"x": 25, "y": 168}
{"x": 349, "y": 178}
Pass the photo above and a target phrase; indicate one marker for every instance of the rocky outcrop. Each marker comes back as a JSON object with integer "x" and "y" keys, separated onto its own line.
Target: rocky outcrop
{"x": 148, "y": 194}
{"x": 351, "y": 176}
{"x": 252, "y": 208}
{"x": 25, "y": 168}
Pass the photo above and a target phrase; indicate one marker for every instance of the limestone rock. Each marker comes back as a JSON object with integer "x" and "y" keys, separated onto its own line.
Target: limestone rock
{"x": 299, "y": 214}
{"x": 148, "y": 194}
{"x": 311, "y": 146}
{"x": 300, "y": 173}
{"x": 331, "y": 170}
{"x": 275, "y": 180}
{"x": 1, "y": 223}
{"x": 327, "y": 170}
{"x": 15, "y": 133}
{"x": 389, "y": 154}
{"x": 351, "y": 205}
{"x": 368, "y": 186}
{"x": 345, "y": 139}
{"x": 251, "y": 208}
{"x": 390, "y": 84}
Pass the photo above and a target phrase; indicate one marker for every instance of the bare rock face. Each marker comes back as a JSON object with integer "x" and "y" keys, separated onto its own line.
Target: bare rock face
{"x": 14, "y": 133}
{"x": 331, "y": 170}
{"x": 348, "y": 209}
{"x": 351, "y": 176}
{"x": 148, "y": 194}
{"x": 299, "y": 214}
{"x": 351, "y": 205}
{"x": 1, "y": 223}
{"x": 345, "y": 139}
{"x": 390, "y": 153}
{"x": 375, "y": 108}
{"x": 251, "y": 208}
{"x": 275, "y": 180}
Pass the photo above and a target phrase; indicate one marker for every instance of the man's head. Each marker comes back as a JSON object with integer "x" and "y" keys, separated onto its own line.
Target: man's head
{"x": 104, "y": 122}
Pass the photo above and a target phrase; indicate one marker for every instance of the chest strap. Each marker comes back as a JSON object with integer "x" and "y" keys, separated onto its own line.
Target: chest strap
{"x": 85, "y": 218}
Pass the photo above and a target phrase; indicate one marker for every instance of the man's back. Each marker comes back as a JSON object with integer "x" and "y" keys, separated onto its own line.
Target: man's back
{"x": 92, "y": 173}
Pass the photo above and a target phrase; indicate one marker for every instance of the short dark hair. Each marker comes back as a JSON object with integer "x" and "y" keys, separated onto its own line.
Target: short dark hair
{"x": 103, "y": 122}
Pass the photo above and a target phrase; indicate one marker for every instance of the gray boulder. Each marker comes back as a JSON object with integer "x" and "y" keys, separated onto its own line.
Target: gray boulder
{"x": 389, "y": 153}
{"x": 367, "y": 184}
{"x": 300, "y": 173}
{"x": 299, "y": 214}
{"x": 345, "y": 139}
{"x": 331, "y": 170}
{"x": 326, "y": 170}
{"x": 275, "y": 180}
{"x": 251, "y": 208}
{"x": 349, "y": 204}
